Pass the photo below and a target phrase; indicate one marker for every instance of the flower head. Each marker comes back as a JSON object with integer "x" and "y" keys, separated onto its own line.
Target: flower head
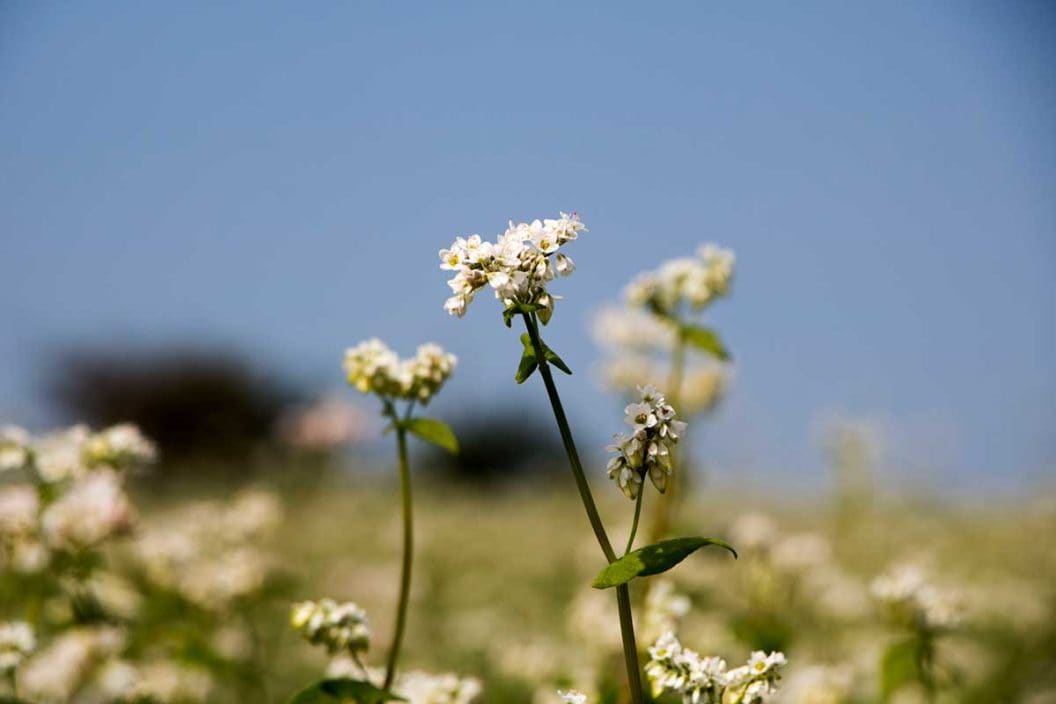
{"x": 372, "y": 367}
{"x": 16, "y": 642}
{"x": 693, "y": 281}
{"x": 516, "y": 266}
{"x": 646, "y": 450}
{"x": 337, "y": 627}
{"x": 572, "y": 697}
{"x": 705, "y": 680}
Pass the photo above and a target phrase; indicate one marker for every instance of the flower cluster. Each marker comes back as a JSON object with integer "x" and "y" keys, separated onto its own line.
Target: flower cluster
{"x": 706, "y": 680}
{"x": 72, "y": 453}
{"x": 208, "y": 551}
{"x": 517, "y": 266}
{"x": 646, "y": 450}
{"x": 910, "y": 599}
{"x": 338, "y": 627}
{"x": 572, "y": 697}
{"x": 425, "y": 688}
{"x": 374, "y": 368}
{"x": 695, "y": 281}
{"x": 16, "y": 642}
{"x": 92, "y": 511}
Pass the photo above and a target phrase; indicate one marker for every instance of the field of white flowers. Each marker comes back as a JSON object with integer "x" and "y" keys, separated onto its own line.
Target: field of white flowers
{"x": 619, "y": 585}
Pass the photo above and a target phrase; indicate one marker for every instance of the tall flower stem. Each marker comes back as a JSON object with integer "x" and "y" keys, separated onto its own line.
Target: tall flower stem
{"x": 637, "y": 515}
{"x": 676, "y": 482}
{"x": 623, "y": 598}
{"x": 408, "y": 555}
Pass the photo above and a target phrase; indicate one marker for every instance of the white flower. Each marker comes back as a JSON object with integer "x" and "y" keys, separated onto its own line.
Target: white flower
{"x": 517, "y": 265}
{"x": 374, "y": 368}
{"x": 691, "y": 281}
{"x": 93, "y": 510}
{"x": 910, "y": 599}
{"x": 647, "y": 449}
{"x": 706, "y": 680}
{"x": 119, "y": 446}
{"x": 424, "y": 688}
{"x": 14, "y": 442}
{"x": 338, "y": 627}
{"x": 16, "y": 642}
{"x": 572, "y": 697}
{"x": 19, "y": 506}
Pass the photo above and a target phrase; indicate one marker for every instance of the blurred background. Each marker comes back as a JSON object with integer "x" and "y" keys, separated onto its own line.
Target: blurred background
{"x": 273, "y": 182}
{"x": 202, "y": 205}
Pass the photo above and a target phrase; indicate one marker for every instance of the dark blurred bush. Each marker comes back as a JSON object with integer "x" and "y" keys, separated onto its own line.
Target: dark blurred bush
{"x": 202, "y": 407}
{"x": 503, "y": 446}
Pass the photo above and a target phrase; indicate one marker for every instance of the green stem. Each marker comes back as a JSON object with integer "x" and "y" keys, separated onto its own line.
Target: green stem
{"x": 662, "y": 517}
{"x": 408, "y": 554}
{"x": 637, "y": 513}
{"x": 623, "y": 598}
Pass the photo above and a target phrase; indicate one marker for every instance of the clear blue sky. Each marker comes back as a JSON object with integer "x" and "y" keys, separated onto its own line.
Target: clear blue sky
{"x": 279, "y": 178}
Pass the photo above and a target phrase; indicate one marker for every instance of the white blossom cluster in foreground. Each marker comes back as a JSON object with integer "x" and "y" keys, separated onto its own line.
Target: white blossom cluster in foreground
{"x": 706, "y": 680}
{"x": 372, "y": 367}
{"x": 340, "y": 628}
{"x": 647, "y": 449}
{"x": 516, "y": 266}
{"x": 695, "y": 281}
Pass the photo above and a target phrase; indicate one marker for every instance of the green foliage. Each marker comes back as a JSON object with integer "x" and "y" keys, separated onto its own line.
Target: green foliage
{"x": 900, "y": 665}
{"x": 706, "y": 340}
{"x": 329, "y": 691}
{"x": 653, "y": 559}
{"x": 529, "y": 362}
{"x": 434, "y": 431}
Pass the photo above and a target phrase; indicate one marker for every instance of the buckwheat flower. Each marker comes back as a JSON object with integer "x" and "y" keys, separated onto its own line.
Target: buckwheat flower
{"x": 687, "y": 281}
{"x": 337, "y": 627}
{"x": 626, "y": 328}
{"x": 119, "y": 446}
{"x": 14, "y": 443}
{"x": 60, "y": 456}
{"x": 516, "y": 266}
{"x": 374, "y": 368}
{"x": 94, "y": 509}
{"x": 16, "y": 643}
{"x": 572, "y": 697}
{"x": 19, "y": 507}
{"x": 909, "y": 598}
{"x": 664, "y": 609}
{"x": 425, "y": 688}
{"x": 647, "y": 449}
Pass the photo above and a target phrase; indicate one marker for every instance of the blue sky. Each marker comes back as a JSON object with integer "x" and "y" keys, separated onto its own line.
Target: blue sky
{"x": 278, "y": 178}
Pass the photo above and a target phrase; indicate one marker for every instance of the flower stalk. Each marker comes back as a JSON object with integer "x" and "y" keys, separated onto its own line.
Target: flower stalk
{"x": 623, "y": 599}
{"x": 408, "y": 555}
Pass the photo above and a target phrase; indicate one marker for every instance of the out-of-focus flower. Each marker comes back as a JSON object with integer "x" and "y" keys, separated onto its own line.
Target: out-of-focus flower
{"x": 19, "y": 506}
{"x": 424, "y": 688}
{"x": 324, "y": 425}
{"x": 59, "y": 456}
{"x": 800, "y": 552}
{"x": 818, "y": 684}
{"x": 372, "y": 367}
{"x": 161, "y": 681}
{"x": 94, "y": 509}
{"x": 910, "y": 599}
{"x": 647, "y": 449}
{"x": 572, "y": 697}
{"x": 13, "y": 448}
{"x": 695, "y": 281}
{"x": 517, "y": 266}
{"x": 664, "y": 610}
{"x": 632, "y": 329}
{"x": 120, "y": 447}
{"x": 16, "y": 642}
{"x": 337, "y": 627}
{"x": 55, "y": 673}
{"x": 753, "y": 531}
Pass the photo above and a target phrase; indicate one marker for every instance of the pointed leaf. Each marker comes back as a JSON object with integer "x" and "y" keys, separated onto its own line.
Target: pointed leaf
{"x": 331, "y": 691}
{"x": 434, "y": 431}
{"x": 899, "y": 666}
{"x": 552, "y": 357}
{"x": 653, "y": 559}
{"x": 527, "y": 365}
{"x": 705, "y": 339}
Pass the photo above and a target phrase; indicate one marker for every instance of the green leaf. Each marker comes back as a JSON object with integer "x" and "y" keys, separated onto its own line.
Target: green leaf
{"x": 527, "y": 365}
{"x": 330, "y": 691}
{"x": 653, "y": 559}
{"x": 434, "y": 431}
{"x": 552, "y": 357}
{"x": 705, "y": 339}
{"x": 899, "y": 666}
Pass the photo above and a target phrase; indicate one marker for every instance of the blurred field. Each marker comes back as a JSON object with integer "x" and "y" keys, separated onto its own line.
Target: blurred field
{"x": 500, "y": 586}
